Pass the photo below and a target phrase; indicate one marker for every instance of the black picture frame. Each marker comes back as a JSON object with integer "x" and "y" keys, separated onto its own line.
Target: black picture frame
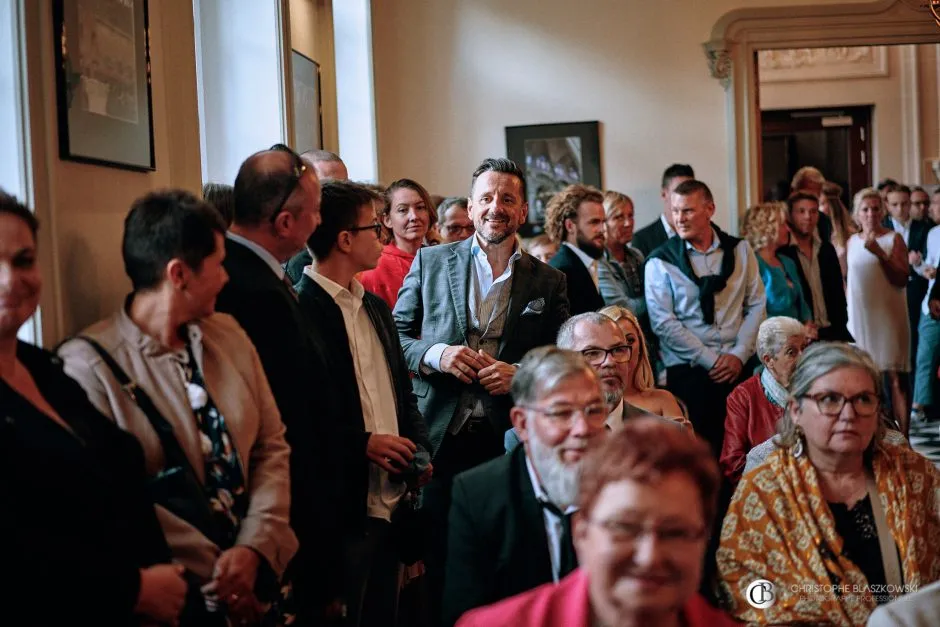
{"x": 307, "y": 99}
{"x": 103, "y": 82}
{"x": 553, "y": 156}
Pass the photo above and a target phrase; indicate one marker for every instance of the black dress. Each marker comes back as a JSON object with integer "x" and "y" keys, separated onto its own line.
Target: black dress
{"x": 856, "y": 526}
{"x": 77, "y": 520}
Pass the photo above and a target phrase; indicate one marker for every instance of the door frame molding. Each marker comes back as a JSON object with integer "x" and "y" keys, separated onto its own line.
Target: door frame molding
{"x": 739, "y": 34}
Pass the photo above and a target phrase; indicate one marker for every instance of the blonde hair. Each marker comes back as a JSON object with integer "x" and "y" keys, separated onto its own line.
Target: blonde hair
{"x": 762, "y": 222}
{"x": 613, "y": 201}
{"x": 643, "y": 379}
{"x": 564, "y": 206}
{"x": 806, "y": 174}
{"x": 861, "y": 196}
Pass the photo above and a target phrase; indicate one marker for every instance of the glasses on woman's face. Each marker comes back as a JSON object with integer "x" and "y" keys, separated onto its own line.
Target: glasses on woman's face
{"x": 375, "y": 228}
{"x": 674, "y": 537}
{"x": 298, "y": 168}
{"x": 831, "y": 403}
{"x": 564, "y": 415}
{"x": 596, "y": 356}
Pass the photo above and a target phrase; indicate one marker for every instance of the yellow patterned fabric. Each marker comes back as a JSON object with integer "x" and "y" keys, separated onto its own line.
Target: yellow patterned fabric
{"x": 780, "y": 529}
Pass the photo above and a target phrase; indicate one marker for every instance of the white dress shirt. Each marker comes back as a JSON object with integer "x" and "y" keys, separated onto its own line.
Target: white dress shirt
{"x": 669, "y": 230}
{"x": 589, "y": 262}
{"x": 379, "y": 412}
{"x": 261, "y": 251}
{"x": 553, "y": 524}
{"x": 615, "y": 419}
{"x": 903, "y": 228}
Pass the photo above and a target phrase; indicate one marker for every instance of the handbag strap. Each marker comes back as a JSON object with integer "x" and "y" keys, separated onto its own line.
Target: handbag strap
{"x": 172, "y": 451}
{"x": 889, "y": 551}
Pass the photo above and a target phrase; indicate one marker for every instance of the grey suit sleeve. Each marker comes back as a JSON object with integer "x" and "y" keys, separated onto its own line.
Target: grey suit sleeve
{"x": 409, "y": 316}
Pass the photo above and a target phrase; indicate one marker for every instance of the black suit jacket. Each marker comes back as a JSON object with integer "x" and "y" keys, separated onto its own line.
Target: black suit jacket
{"x": 916, "y": 284}
{"x": 496, "y": 541}
{"x": 830, "y": 273}
{"x": 650, "y": 237}
{"x": 327, "y": 317}
{"x": 78, "y": 519}
{"x": 583, "y": 294}
{"x": 294, "y": 358}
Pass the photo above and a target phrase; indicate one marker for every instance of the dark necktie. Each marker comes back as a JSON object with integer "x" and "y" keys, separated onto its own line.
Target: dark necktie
{"x": 290, "y": 286}
{"x": 567, "y": 558}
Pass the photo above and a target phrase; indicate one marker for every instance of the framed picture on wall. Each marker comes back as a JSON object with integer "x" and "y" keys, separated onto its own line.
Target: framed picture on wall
{"x": 308, "y": 121}
{"x": 553, "y": 156}
{"x": 103, "y": 92}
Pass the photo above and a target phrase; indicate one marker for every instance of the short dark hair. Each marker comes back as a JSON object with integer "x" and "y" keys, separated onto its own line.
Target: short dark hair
{"x": 340, "y": 203}
{"x": 904, "y": 189}
{"x": 222, "y": 197}
{"x": 693, "y": 186}
{"x": 262, "y": 184}
{"x": 503, "y": 166}
{"x": 918, "y": 188}
{"x": 886, "y": 183}
{"x": 674, "y": 171}
{"x": 316, "y": 156}
{"x": 796, "y": 197}
{"x": 166, "y": 225}
{"x": 10, "y": 205}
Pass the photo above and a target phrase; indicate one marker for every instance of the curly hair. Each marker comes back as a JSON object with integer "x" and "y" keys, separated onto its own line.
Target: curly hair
{"x": 564, "y": 206}
{"x": 761, "y": 223}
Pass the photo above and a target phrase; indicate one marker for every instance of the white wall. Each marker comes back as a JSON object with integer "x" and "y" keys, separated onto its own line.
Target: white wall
{"x": 450, "y": 75}
{"x": 13, "y": 154}
{"x": 241, "y": 105}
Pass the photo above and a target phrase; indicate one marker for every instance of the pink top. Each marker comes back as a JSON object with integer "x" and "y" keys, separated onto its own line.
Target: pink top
{"x": 386, "y": 279}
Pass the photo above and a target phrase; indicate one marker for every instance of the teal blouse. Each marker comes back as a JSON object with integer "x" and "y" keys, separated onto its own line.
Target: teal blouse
{"x": 784, "y": 292}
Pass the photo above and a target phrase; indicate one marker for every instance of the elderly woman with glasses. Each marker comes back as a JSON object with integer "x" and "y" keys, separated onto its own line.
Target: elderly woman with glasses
{"x": 755, "y": 406}
{"x": 837, "y": 515}
{"x": 646, "y": 500}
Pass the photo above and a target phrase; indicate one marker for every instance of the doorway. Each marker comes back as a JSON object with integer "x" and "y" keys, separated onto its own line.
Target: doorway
{"x": 835, "y": 140}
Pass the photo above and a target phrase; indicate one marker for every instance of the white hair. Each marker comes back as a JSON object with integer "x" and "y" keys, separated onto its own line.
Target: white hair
{"x": 774, "y": 333}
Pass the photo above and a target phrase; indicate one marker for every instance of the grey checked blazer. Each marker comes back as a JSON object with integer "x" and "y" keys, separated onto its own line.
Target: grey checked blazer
{"x": 432, "y": 309}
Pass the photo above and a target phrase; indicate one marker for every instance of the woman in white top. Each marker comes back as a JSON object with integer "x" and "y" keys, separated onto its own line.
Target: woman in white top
{"x": 877, "y": 275}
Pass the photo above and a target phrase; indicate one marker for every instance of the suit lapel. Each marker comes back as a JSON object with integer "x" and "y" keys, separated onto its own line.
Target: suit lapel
{"x": 530, "y": 532}
{"x": 458, "y": 275}
{"x": 519, "y": 297}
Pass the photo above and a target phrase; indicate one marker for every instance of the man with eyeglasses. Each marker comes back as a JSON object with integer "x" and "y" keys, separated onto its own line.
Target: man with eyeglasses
{"x": 510, "y": 519}
{"x": 277, "y": 208}
{"x": 456, "y": 225}
{"x": 385, "y": 433}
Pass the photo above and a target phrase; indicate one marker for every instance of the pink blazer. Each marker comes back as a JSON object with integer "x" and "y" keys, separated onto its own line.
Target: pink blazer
{"x": 567, "y": 605}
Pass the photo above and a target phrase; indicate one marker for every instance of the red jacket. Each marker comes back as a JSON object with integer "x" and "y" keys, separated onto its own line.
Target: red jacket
{"x": 751, "y": 419}
{"x": 567, "y": 605}
{"x": 385, "y": 280}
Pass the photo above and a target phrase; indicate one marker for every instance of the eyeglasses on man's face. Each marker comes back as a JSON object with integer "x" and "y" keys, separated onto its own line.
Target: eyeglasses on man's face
{"x": 375, "y": 227}
{"x": 831, "y": 403}
{"x": 564, "y": 415}
{"x": 298, "y": 168}
{"x": 596, "y": 356}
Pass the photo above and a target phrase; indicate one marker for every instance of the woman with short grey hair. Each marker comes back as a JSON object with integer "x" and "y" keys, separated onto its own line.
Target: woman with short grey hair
{"x": 836, "y": 501}
{"x": 755, "y": 406}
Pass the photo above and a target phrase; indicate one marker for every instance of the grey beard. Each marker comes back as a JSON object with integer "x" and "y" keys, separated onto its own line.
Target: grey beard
{"x": 559, "y": 480}
{"x": 612, "y": 398}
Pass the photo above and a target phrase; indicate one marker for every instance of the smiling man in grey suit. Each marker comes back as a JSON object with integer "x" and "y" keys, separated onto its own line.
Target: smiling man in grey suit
{"x": 465, "y": 314}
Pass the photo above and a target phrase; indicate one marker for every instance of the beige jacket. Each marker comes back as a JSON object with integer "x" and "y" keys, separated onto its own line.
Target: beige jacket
{"x": 240, "y": 390}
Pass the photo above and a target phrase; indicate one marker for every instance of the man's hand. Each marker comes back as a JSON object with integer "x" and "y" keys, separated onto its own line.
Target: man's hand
{"x": 233, "y": 577}
{"x": 914, "y": 258}
{"x": 933, "y": 306}
{"x": 425, "y": 477}
{"x": 162, "y": 592}
{"x": 930, "y": 273}
{"x": 392, "y": 453}
{"x": 727, "y": 369}
{"x": 495, "y": 376}
{"x": 462, "y": 362}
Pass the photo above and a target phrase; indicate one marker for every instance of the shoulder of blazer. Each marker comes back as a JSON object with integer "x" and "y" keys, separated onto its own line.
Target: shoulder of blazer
{"x": 563, "y": 259}
{"x": 489, "y": 479}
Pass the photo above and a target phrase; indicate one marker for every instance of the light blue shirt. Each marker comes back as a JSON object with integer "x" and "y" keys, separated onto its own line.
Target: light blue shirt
{"x": 261, "y": 251}
{"x": 484, "y": 276}
{"x": 676, "y": 316}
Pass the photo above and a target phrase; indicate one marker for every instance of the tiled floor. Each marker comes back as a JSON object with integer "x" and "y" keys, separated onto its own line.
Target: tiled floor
{"x": 925, "y": 438}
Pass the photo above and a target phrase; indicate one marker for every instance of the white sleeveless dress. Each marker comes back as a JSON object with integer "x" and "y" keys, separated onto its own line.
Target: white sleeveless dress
{"x": 878, "y": 317}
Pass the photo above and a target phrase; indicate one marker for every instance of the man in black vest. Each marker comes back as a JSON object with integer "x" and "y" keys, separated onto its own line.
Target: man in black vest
{"x": 655, "y": 234}
{"x": 510, "y": 519}
{"x": 574, "y": 217}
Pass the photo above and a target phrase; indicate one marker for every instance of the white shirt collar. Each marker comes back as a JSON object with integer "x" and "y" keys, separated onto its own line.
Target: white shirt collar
{"x": 334, "y": 289}
{"x": 900, "y": 226}
{"x": 669, "y": 230}
{"x": 714, "y": 245}
{"x": 615, "y": 418}
{"x": 588, "y": 261}
{"x": 259, "y": 250}
{"x": 476, "y": 249}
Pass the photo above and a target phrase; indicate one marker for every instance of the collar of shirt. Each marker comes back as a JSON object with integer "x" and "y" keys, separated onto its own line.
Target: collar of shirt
{"x": 334, "y": 289}
{"x": 712, "y": 248}
{"x": 901, "y": 227}
{"x": 589, "y": 262}
{"x": 484, "y": 270}
{"x": 669, "y": 230}
{"x": 540, "y": 494}
{"x": 615, "y": 418}
{"x": 261, "y": 251}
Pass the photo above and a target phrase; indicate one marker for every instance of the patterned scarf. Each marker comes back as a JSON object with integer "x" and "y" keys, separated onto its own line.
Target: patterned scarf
{"x": 774, "y": 392}
{"x": 779, "y": 528}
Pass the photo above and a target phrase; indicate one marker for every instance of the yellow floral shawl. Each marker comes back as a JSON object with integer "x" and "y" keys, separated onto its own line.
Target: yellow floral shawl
{"x": 779, "y": 528}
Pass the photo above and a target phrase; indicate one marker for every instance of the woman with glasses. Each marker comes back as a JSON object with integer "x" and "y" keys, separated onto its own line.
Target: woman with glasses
{"x": 755, "y": 406}
{"x": 837, "y": 515}
{"x": 408, "y": 215}
{"x": 646, "y": 500}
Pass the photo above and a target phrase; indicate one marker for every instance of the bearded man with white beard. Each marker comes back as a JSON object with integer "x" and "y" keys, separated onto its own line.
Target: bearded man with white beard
{"x": 509, "y": 525}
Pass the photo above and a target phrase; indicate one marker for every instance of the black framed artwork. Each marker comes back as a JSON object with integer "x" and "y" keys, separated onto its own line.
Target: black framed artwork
{"x": 553, "y": 156}
{"x": 308, "y": 120}
{"x": 103, "y": 91}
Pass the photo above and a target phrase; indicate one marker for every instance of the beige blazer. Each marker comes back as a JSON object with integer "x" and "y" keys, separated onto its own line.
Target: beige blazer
{"x": 238, "y": 386}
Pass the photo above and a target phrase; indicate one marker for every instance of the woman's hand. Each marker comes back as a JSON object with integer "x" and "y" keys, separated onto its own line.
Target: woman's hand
{"x": 234, "y": 576}
{"x": 162, "y": 592}
{"x": 872, "y": 245}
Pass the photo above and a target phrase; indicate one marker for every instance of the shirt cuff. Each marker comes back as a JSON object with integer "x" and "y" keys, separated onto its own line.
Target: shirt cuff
{"x": 708, "y": 358}
{"x": 432, "y": 358}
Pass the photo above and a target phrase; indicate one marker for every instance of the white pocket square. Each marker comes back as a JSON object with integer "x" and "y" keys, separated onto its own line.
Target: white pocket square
{"x": 534, "y": 308}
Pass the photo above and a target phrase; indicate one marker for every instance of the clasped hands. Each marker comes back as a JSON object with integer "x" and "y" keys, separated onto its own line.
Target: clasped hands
{"x": 233, "y": 583}
{"x": 469, "y": 365}
{"x": 727, "y": 369}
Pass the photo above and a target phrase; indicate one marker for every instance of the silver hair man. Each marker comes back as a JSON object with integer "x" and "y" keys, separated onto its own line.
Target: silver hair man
{"x": 588, "y": 331}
